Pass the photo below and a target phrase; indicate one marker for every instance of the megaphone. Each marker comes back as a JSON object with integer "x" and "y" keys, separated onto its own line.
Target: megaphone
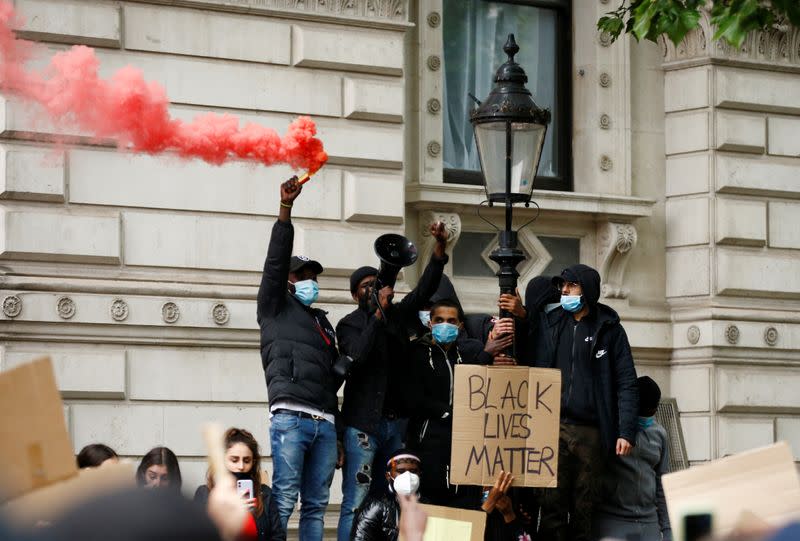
{"x": 395, "y": 252}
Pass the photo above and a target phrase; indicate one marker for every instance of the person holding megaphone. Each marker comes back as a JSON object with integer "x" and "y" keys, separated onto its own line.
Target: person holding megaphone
{"x": 375, "y": 336}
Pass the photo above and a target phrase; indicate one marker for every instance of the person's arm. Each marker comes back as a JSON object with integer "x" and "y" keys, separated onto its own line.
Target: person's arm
{"x": 662, "y": 468}
{"x": 272, "y": 291}
{"x": 627, "y": 389}
{"x": 356, "y": 338}
{"x": 431, "y": 276}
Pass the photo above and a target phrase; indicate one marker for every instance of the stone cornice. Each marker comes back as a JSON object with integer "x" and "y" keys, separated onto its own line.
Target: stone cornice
{"x": 385, "y": 14}
{"x": 777, "y": 48}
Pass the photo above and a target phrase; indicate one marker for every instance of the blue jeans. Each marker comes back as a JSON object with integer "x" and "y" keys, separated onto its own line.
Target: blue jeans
{"x": 360, "y": 451}
{"x": 303, "y": 460}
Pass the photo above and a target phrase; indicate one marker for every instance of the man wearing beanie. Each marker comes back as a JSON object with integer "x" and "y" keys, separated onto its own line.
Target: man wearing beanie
{"x": 377, "y": 340}
{"x": 599, "y": 398}
{"x": 633, "y": 504}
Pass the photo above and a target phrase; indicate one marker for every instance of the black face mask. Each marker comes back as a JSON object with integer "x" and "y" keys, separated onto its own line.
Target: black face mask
{"x": 241, "y": 475}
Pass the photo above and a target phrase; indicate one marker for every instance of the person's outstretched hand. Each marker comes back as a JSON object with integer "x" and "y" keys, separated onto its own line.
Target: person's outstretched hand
{"x": 290, "y": 190}
{"x": 412, "y": 518}
{"x": 501, "y": 486}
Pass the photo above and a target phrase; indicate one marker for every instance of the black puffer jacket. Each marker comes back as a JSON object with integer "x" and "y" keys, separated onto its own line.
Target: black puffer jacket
{"x": 297, "y": 342}
{"x": 376, "y": 520}
{"x": 380, "y": 353}
{"x": 616, "y": 394}
{"x": 268, "y": 522}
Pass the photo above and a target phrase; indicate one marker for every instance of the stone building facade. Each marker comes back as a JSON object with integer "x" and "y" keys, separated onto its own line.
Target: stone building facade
{"x": 138, "y": 274}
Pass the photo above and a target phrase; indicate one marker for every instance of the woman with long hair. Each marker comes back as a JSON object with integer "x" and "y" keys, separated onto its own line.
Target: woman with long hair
{"x": 159, "y": 469}
{"x": 243, "y": 460}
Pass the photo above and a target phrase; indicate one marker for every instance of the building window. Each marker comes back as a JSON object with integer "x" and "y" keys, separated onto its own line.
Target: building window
{"x": 564, "y": 251}
{"x": 474, "y": 32}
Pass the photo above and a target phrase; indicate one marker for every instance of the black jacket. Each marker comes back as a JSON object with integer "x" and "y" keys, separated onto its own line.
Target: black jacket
{"x": 380, "y": 353}
{"x": 297, "y": 342}
{"x": 268, "y": 523}
{"x": 430, "y": 428}
{"x": 376, "y": 520}
{"x": 610, "y": 362}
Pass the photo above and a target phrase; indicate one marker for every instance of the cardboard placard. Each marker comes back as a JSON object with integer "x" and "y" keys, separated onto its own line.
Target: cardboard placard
{"x": 35, "y": 448}
{"x": 451, "y": 524}
{"x": 505, "y": 418}
{"x": 762, "y": 483}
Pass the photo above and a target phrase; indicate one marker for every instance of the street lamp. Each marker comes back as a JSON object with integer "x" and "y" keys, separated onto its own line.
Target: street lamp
{"x": 509, "y": 131}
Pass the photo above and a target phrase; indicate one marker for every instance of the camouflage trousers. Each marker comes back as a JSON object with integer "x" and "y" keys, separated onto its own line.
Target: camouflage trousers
{"x": 567, "y": 510}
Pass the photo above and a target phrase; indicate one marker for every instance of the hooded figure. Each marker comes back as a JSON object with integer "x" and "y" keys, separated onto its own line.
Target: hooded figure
{"x": 599, "y": 396}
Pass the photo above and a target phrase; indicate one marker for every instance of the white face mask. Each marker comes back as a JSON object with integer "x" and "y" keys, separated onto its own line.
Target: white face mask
{"x": 406, "y": 483}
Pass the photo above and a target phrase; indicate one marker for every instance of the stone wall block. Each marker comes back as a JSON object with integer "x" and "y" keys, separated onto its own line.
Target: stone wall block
{"x": 183, "y": 426}
{"x": 757, "y": 389}
{"x": 757, "y": 175}
{"x": 59, "y": 236}
{"x": 687, "y": 221}
{"x": 686, "y": 89}
{"x": 79, "y": 373}
{"x": 31, "y": 174}
{"x": 788, "y": 429}
{"x": 740, "y": 132}
{"x": 784, "y": 224}
{"x": 359, "y": 50}
{"x": 689, "y": 272}
{"x": 782, "y": 136}
{"x": 691, "y": 387}
{"x": 697, "y": 436}
{"x": 207, "y": 33}
{"x": 207, "y": 375}
{"x": 738, "y": 434}
{"x": 756, "y": 90}
{"x": 688, "y": 174}
{"x": 373, "y": 99}
{"x": 70, "y": 21}
{"x": 128, "y": 429}
{"x": 754, "y": 271}
{"x": 741, "y": 221}
{"x": 686, "y": 132}
{"x": 341, "y": 251}
{"x": 373, "y": 198}
{"x": 107, "y": 177}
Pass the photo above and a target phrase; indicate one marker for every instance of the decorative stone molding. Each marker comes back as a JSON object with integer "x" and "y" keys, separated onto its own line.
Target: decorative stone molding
{"x": 395, "y": 11}
{"x": 12, "y": 306}
{"x": 119, "y": 310}
{"x": 434, "y": 19}
{"x": 606, "y": 163}
{"x": 605, "y": 121}
{"x": 434, "y": 106}
{"x": 434, "y": 62}
{"x": 693, "y": 334}
{"x": 780, "y": 45}
{"x": 732, "y": 334}
{"x": 452, "y": 224}
{"x": 605, "y": 80}
{"x": 170, "y": 312}
{"x": 220, "y": 313}
{"x": 434, "y": 149}
{"x": 616, "y": 241}
{"x": 604, "y": 39}
{"x": 65, "y": 308}
{"x": 771, "y": 336}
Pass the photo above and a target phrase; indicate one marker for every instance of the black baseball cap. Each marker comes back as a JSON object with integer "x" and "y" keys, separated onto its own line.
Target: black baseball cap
{"x": 299, "y": 261}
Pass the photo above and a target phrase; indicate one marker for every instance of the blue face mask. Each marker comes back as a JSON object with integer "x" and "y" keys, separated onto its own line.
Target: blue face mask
{"x": 646, "y": 422}
{"x": 571, "y": 303}
{"x": 444, "y": 333}
{"x": 306, "y": 291}
{"x": 425, "y": 317}
{"x": 551, "y": 306}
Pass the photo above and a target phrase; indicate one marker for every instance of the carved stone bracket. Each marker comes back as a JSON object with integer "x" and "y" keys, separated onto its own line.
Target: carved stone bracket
{"x": 778, "y": 45}
{"x": 452, "y": 223}
{"x": 615, "y": 243}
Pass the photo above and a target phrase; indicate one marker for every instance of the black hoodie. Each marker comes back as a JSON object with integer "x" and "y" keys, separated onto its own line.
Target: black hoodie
{"x": 598, "y": 377}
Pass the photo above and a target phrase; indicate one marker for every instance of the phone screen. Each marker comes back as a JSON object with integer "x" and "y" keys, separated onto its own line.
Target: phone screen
{"x": 244, "y": 487}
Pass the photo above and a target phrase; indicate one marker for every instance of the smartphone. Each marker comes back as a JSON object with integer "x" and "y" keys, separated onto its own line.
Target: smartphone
{"x": 244, "y": 488}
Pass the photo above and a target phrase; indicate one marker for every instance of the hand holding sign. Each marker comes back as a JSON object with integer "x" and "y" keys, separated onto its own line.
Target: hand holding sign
{"x": 497, "y": 492}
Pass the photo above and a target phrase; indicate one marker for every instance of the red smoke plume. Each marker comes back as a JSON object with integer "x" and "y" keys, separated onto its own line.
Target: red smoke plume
{"x": 135, "y": 112}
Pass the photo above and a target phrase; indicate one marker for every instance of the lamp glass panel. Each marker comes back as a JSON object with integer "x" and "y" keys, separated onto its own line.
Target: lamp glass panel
{"x": 526, "y": 147}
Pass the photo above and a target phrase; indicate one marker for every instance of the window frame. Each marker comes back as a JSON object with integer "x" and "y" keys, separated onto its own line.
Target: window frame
{"x": 563, "y": 182}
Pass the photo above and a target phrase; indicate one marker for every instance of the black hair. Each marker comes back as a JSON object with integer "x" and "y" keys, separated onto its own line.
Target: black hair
{"x": 404, "y": 455}
{"x": 161, "y": 456}
{"x": 649, "y": 396}
{"x": 448, "y": 303}
{"x": 94, "y": 454}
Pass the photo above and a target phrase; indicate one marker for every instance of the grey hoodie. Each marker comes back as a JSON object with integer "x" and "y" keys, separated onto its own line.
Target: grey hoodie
{"x": 632, "y": 484}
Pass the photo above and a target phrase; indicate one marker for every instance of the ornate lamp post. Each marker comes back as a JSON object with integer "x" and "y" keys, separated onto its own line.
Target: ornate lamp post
{"x": 509, "y": 131}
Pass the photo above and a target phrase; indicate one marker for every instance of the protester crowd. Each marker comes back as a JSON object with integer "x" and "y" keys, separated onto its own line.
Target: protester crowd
{"x": 392, "y": 436}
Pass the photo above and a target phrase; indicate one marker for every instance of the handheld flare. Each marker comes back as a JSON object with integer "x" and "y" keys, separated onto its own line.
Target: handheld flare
{"x": 305, "y": 177}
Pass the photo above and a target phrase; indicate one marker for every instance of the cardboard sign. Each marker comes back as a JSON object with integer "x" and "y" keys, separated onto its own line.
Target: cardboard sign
{"x": 35, "y": 448}
{"x": 761, "y": 484}
{"x": 451, "y": 524}
{"x": 505, "y": 419}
